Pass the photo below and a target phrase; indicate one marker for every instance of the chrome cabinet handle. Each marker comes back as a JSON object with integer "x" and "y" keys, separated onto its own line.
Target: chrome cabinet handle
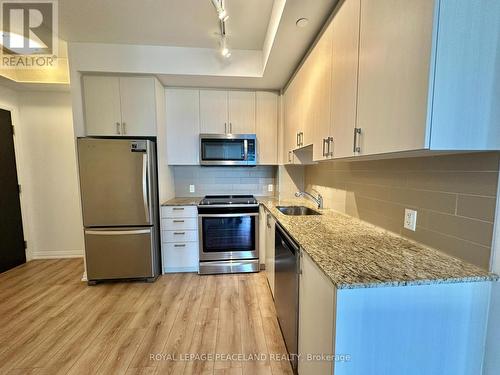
{"x": 225, "y": 128}
{"x": 356, "y": 147}
{"x": 230, "y": 128}
{"x": 179, "y": 233}
{"x": 301, "y": 138}
{"x": 330, "y": 143}
{"x": 178, "y": 221}
{"x": 297, "y": 139}
{"x": 289, "y": 156}
{"x": 124, "y": 128}
{"x": 324, "y": 146}
{"x": 117, "y": 232}
{"x": 118, "y": 129}
{"x": 180, "y": 245}
{"x": 178, "y": 208}
{"x": 145, "y": 188}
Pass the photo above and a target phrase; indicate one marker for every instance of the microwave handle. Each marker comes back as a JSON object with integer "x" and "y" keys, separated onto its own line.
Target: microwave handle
{"x": 245, "y": 146}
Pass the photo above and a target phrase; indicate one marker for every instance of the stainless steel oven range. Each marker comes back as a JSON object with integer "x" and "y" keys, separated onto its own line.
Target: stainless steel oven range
{"x": 229, "y": 234}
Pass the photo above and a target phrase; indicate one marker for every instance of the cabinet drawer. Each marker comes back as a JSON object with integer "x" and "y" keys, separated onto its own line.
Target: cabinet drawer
{"x": 179, "y": 236}
{"x": 179, "y": 211}
{"x": 179, "y": 224}
{"x": 177, "y": 256}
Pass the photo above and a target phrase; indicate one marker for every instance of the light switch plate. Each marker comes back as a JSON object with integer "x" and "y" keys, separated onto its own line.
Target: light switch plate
{"x": 191, "y": 189}
{"x": 270, "y": 187}
{"x": 410, "y": 221}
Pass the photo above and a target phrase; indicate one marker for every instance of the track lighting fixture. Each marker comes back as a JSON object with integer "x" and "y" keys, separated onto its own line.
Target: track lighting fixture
{"x": 221, "y": 11}
{"x": 223, "y": 16}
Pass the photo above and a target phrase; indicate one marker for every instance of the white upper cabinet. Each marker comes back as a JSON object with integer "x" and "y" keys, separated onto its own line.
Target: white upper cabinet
{"x": 267, "y": 127}
{"x": 344, "y": 80}
{"x": 397, "y": 84}
{"x": 466, "y": 94}
{"x": 227, "y": 112}
{"x": 119, "y": 106}
{"x": 190, "y": 112}
{"x": 137, "y": 98}
{"x": 241, "y": 112}
{"x": 183, "y": 126}
{"x": 101, "y": 97}
{"x": 214, "y": 111}
{"x": 428, "y": 84}
{"x": 321, "y": 79}
{"x": 394, "y": 66}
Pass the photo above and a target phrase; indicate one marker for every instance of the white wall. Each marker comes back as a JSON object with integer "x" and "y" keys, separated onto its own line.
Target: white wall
{"x": 48, "y": 139}
{"x": 46, "y": 162}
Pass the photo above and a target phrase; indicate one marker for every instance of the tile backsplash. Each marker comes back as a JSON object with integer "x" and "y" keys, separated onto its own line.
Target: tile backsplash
{"x": 224, "y": 180}
{"x": 454, "y": 195}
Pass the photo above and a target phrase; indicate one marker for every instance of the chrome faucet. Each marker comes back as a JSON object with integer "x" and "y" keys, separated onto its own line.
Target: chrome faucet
{"x": 318, "y": 200}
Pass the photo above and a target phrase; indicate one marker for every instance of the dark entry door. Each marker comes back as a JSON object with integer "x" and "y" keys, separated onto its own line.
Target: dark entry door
{"x": 12, "y": 251}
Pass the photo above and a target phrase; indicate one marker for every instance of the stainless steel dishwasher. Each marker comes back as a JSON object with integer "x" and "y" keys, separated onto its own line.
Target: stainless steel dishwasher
{"x": 286, "y": 289}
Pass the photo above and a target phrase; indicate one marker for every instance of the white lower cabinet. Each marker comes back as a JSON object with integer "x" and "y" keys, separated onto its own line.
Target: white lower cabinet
{"x": 316, "y": 319}
{"x": 269, "y": 231}
{"x": 180, "y": 239}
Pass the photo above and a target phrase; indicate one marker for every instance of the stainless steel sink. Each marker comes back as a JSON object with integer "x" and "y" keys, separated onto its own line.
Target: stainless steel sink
{"x": 297, "y": 210}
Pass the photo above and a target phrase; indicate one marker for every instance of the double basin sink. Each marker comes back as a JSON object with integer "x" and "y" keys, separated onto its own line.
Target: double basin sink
{"x": 297, "y": 210}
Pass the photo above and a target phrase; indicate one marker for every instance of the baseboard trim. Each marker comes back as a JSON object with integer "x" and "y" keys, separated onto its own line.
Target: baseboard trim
{"x": 179, "y": 269}
{"x": 57, "y": 254}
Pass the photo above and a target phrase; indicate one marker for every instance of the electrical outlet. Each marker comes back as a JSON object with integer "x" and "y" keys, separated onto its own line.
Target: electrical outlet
{"x": 270, "y": 187}
{"x": 191, "y": 189}
{"x": 410, "y": 222}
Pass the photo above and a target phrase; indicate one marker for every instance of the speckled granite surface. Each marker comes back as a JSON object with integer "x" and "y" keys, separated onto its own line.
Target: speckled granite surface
{"x": 189, "y": 201}
{"x": 354, "y": 254}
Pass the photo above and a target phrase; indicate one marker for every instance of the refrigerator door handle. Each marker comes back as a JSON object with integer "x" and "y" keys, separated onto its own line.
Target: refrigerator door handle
{"x": 117, "y": 232}
{"x": 145, "y": 186}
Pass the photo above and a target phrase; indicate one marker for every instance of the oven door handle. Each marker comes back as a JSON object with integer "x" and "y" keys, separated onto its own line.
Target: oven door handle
{"x": 230, "y": 215}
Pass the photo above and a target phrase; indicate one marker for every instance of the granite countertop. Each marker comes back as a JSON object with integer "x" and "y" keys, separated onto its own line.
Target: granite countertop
{"x": 188, "y": 201}
{"x": 355, "y": 254}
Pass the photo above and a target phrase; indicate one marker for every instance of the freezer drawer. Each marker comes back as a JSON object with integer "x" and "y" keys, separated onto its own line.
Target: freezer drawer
{"x": 120, "y": 253}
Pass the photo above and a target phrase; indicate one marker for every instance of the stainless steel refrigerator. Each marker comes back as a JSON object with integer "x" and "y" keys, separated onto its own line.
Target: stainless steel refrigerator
{"x": 120, "y": 208}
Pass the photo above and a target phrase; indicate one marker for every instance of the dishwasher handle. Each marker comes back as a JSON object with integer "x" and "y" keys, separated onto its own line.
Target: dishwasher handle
{"x": 287, "y": 241}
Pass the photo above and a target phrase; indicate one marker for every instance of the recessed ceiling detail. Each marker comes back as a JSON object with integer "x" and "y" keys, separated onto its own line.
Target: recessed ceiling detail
{"x": 180, "y": 41}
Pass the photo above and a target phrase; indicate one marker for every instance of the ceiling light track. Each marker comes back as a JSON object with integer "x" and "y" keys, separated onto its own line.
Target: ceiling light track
{"x": 223, "y": 16}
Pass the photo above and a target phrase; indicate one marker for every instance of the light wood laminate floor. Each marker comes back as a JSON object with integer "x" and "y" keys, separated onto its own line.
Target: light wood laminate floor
{"x": 52, "y": 323}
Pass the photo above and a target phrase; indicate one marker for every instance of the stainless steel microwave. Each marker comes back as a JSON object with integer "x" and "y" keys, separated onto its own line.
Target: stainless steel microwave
{"x": 228, "y": 149}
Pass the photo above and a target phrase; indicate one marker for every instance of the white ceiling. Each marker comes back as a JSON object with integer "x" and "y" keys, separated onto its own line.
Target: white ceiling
{"x": 193, "y": 23}
{"x": 186, "y": 23}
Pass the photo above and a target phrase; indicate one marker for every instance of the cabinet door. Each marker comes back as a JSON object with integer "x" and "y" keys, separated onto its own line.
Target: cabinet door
{"x": 262, "y": 235}
{"x": 138, "y": 106}
{"x": 304, "y": 89}
{"x": 267, "y": 127}
{"x": 183, "y": 126}
{"x": 345, "y": 77}
{"x": 241, "y": 112}
{"x": 102, "y": 105}
{"x": 270, "y": 226}
{"x": 286, "y": 129}
{"x": 213, "y": 111}
{"x": 290, "y": 128}
{"x": 316, "y": 317}
{"x": 394, "y": 65}
{"x": 321, "y": 80}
